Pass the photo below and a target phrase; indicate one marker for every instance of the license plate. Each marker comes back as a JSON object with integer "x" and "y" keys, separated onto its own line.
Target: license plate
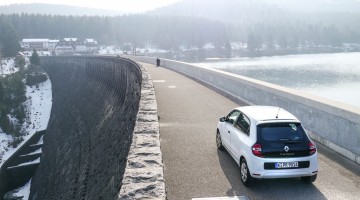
{"x": 281, "y": 165}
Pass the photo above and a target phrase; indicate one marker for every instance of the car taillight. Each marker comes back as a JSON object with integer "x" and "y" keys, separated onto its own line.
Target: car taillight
{"x": 256, "y": 150}
{"x": 312, "y": 147}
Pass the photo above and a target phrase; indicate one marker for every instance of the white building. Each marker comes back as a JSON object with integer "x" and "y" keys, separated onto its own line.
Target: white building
{"x": 91, "y": 45}
{"x": 65, "y": 46}
{"x": 52, "y": 44}
{"x": 69, "y": 46}
{"x": 37, "y": 44}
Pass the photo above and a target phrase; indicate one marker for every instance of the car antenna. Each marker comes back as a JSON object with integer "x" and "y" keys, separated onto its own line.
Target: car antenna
{"x": 277, "y": 115}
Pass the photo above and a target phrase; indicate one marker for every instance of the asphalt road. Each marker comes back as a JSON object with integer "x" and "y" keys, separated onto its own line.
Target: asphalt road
{"x": 194, "y": 168}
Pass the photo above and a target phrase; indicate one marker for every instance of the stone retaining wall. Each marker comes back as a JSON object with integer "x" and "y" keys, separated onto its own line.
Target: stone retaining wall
{"x": 144, "y": 177}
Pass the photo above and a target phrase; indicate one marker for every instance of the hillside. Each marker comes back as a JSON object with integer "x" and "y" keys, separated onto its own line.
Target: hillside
{"x": 306, "y": 21}
{"x": 339, "y": 6}
{"x": 248, "y": 12}
{"x": 51, "y": 9}
{"x": 239, "y": 11}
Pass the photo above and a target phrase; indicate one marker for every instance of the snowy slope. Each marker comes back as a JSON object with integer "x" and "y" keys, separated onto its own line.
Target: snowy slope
{"x": 38, "y": 108}
{"x": 7, "y": 67}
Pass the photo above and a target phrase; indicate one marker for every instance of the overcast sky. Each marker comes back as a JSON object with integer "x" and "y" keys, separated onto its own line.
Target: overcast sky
{"x": 122, "y": 5}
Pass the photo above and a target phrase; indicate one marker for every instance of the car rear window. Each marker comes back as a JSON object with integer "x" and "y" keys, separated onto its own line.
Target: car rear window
{"x": 280, "y": 132}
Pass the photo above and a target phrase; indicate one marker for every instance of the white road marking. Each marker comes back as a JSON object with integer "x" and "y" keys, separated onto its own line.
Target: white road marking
{"x": 158, "y": 81}
{"x": 224, "y": 198}
{"x": 172, "y": 86}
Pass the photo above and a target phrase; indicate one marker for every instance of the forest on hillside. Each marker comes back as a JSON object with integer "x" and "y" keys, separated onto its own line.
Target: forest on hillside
{"x": 164, "y": 32}
{"x": 170, "y": 32}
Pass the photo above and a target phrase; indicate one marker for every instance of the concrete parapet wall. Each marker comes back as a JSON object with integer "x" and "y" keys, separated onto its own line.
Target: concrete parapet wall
{"x": 331, "y": 123}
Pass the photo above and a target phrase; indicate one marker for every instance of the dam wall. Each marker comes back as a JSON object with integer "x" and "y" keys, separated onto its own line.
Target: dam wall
{"x": 331, "y": 123}
{"x": 95, "y": 104}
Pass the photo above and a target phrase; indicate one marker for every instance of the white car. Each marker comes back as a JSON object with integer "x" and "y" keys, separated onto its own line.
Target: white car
{"x": 267, "y": 142}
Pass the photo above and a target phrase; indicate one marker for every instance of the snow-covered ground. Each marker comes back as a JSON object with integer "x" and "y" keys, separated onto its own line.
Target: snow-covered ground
{"x": 113, "y": 50}
{"x": 38, "y": 108}
{"x": 7, "y": 66}
{"x": 40, "y": 53}
{"x": 110, "y": 50}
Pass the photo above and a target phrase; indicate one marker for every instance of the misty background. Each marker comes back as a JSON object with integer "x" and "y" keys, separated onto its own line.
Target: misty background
{"x": 196, "y": 29}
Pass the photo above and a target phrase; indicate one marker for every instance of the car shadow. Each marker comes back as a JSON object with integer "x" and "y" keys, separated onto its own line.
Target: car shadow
{"x": 292, "y": 188}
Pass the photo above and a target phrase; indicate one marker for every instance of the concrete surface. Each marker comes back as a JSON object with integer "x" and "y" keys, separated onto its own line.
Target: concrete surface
{"x": 95, "y": 102}
{"x": 334, "y": 124}
{"x": 193, "y": 166}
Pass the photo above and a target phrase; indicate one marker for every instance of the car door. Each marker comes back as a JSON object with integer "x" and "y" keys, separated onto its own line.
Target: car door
{"x": 240, "y": 136}
{"x": 229, "y": 129}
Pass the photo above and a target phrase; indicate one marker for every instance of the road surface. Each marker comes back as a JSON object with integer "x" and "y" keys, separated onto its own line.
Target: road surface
{"x": 194, "y": 168}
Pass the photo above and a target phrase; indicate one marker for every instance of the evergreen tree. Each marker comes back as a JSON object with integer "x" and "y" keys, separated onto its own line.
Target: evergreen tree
{"x": 35, "y": 59}
{"x": 1, "y": 64}
{"x": 228, "y": 49}
{"x": 9, "y": 40}
{"x": 20, "y": 62}
{"x": 283, "y": 43}
{"x": 251, "y": 42}
{"x": 2, "y": 92}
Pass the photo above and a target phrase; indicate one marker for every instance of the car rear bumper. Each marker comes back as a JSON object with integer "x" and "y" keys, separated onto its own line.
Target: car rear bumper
{"x": 291, "y": 173}
{"x": 257, "y": 170}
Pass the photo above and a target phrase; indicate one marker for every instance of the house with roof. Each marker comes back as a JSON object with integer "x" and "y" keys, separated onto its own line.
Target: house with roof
{"x": 52, "y": 45}
{"x": 65, "y": 46}
{"x": 37, "y": 44}
{"x": 91, "y": 45}
{"x": 70, "y": 46}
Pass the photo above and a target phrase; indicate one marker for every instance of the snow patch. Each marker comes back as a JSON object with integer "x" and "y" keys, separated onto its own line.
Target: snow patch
{"x": 39, "y": 151}
{"x": 7, "y": 66}
{"x": 113, "y": 50}
{"x": 38, "y": 106}
{"x": 110, "y": 50}
{"x": 37, "y": 161}
{"x": 40, "y": 142}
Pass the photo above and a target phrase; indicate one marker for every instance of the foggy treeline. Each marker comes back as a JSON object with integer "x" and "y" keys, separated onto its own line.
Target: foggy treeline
{"x": 256, "y": 25}
{"x": 50, "y": 9}
{"x": 164, "y": 32}
{"x": 277, "y": 22}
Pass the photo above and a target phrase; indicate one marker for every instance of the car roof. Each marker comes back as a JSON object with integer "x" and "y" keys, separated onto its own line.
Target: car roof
{"x": 267, "y": 113}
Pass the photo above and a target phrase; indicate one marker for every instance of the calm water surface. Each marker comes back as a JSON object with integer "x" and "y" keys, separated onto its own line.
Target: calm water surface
{"x": 333, "y": 76}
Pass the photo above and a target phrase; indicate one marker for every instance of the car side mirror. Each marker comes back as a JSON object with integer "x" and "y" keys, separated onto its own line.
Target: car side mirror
{"x": 222, "y": 119}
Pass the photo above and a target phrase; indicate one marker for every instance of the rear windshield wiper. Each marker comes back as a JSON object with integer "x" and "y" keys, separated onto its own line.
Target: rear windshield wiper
{"x": 289, "y": 141}
{"x": 284, "y": 139}
{"x": 293, "y": 142}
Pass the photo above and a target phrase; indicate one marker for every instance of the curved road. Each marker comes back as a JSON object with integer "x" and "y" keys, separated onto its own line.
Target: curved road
{"x": 194, "y": 168}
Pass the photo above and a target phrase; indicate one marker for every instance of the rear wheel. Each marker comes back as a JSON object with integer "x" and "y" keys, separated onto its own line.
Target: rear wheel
{"x": 309, "y": 179}
{"x": 246, "y": 178}
{"x": 218, "y": 141}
